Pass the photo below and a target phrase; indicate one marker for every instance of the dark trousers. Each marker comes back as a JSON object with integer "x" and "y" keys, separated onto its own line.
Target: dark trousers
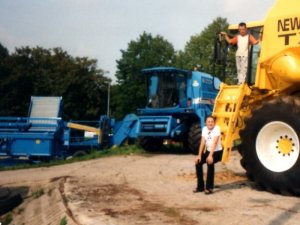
{"x": 210, "y": 170}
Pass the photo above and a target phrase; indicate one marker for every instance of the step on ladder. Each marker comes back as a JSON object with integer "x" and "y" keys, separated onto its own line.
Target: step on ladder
{"x": 226, "y": 111}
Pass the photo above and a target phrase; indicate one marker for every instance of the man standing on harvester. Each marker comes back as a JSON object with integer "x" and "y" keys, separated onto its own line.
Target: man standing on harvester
{"x": 242, "y": 40}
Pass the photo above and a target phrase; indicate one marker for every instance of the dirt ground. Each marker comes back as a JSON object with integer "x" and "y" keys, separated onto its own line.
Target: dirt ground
{"x": 143, "y": 189}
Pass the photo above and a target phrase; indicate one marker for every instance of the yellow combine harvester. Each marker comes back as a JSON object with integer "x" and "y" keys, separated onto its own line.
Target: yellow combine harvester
{"x": 262, "y": 116}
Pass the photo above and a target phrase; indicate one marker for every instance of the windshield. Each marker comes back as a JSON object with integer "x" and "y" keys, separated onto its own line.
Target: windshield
{"x": 254, "y": 55}
{"x": 253, "y": 63}
{"x": 166, "y": 89}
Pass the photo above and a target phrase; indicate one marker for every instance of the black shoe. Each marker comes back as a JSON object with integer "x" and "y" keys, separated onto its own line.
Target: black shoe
{"x": 198, "y": 190}
{"x": 209, "y": 191}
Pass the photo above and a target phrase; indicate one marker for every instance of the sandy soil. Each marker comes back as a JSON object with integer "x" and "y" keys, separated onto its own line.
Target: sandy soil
{"x": 150, "y": 190}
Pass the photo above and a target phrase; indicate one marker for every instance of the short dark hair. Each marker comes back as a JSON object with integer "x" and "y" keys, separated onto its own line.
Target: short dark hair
{"x": 242, "y": 24}
{"x": 210, "y": 116}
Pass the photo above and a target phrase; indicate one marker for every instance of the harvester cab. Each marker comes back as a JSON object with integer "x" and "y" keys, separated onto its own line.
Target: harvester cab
{"x": 178, "y": 102}
{"x": 167, "y": 91}
{"x": 262, "y": 116}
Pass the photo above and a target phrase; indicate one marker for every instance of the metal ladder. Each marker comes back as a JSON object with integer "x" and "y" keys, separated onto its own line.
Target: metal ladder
{"x": 226, "y": 111}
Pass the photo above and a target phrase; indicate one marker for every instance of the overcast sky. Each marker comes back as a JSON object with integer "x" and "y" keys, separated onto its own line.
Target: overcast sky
{"x": 99, "y": 29}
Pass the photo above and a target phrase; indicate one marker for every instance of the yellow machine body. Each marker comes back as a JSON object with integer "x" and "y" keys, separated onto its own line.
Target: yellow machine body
{"x": 277, "y": 71}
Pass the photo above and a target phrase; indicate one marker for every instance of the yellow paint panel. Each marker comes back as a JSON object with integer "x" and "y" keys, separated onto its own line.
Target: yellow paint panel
{"x": 249, "y": 25}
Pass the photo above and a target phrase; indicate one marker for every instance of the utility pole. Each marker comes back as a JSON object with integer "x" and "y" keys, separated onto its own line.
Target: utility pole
{"x": 108, "y": 99}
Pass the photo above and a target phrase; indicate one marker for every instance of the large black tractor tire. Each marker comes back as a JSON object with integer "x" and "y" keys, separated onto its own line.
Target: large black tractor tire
{"x": 270, "y": 146}
{"x": 150, "y": 144}
{"x": 194, "y": 137}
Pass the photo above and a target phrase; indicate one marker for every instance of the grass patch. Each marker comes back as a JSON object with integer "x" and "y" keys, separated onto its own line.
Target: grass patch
{"x": 94, "y": 154}
{"x": 63, "y": 221}
{"x": 7, "y": 219}
{"x": 37, "y": 193}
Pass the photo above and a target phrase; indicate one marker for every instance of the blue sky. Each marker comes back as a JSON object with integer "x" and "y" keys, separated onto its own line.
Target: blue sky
{"x": 99, "y": 29}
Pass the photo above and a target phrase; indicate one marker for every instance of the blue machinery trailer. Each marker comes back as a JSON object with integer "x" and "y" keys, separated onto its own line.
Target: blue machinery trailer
{"x": 44, "y": 135}
{"x": 178, "y": 102}
{"x": 38, "y": 135}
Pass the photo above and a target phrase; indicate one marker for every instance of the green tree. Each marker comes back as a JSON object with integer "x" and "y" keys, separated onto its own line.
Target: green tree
{"x": 199, "y": 50}
{"x": 3, "y": 52}
{"x": 53, "y": 72}
{"x": 3, "y": 56}
{"x": 147, "y": 51}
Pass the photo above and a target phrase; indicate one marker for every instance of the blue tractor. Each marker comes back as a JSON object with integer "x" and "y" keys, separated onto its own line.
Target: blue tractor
{"x": 178, "y": 103}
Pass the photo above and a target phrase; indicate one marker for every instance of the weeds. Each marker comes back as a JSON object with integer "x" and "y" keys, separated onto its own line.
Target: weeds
{"x": 7, "y": 219}
{"x": 38, "y": 193}
{"x": 94, "y": 154}
{"x": 63, "y": 221}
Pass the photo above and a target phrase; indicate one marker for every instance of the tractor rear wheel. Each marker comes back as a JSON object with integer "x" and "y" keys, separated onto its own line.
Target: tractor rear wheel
{"x": 270, "y": 146}
{"x": 150, "y": 144}
{"x": 79, "y": 153}
{"x": 194, "y": 137}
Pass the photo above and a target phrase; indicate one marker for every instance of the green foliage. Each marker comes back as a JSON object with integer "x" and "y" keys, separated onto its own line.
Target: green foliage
{"x": 63, "y": 221}
{"x": 3, "y": 56}
{"x": 52, "y": 72}
{"x": 147, "y": 51}
{"x": 3, "y": 53}
{"x": 7, "y": 219}
{"x": 125, "y": 150}
{"x": 199, "y": 50}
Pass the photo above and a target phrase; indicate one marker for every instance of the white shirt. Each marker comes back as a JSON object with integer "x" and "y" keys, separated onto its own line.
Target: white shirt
{"x": 243, "y": 44}
{"x": 209, "y": 137}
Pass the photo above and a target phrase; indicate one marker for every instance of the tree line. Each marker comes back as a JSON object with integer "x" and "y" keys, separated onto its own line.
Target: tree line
{"x": 84, "y": 87}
